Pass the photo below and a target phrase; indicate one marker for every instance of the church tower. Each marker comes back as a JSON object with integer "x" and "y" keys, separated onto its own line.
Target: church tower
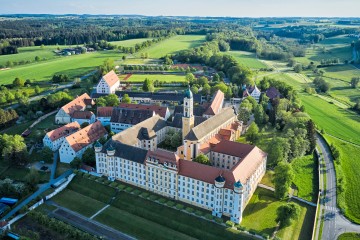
{"x": 188, "y": 119}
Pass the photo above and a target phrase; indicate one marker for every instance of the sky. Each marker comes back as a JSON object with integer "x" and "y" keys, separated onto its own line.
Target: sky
{"x": 222, "y": 8}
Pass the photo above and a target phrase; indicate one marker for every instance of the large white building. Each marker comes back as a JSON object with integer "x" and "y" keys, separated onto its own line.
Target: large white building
{"x": 108, "y": 84}
{"x": 224, "y": 187}
{"x": 75, "y": 144}
{"x": 55, "y": 138}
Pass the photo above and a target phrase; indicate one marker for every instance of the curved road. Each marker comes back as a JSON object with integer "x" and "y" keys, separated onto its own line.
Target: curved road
{"x": 334, "y": 222}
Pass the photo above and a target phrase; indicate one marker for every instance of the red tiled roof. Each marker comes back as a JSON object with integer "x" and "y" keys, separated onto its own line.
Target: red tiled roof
{"x": 63, "y": 131}
{"x": 157, "y": 109}
{"x": 82, "y": 114}
{"x": 89, "y": 101}
{"x": 104, "y": 111}
{"x": 86, "y": 136}
{"x": 164, "y": 156}
{"x": 233, "y": 148}
{"x": 76, "y": 105}
{"x": 111, "y": 78}
{"x": 216, "y": 104}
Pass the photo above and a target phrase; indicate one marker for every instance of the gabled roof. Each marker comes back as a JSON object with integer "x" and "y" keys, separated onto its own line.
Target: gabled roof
{"x": 130, "y": 116}
{"x": 111, "y": 78}
{"x": 77, "y": 104}
{"x": 177, "y": 121}
{"x": 164, "y": 156}
{"x": 104, "y": 111}
{"x": 216, "y": 103}
{"x": 233, "y": 148}
{"x": 82, "y": 114}
{"x": 210, "y": 124}
{"x": 63, "y": 131}
{"x": 127, "y": 152}
{"x": 132, "y": 135}
{"x": 86, "y": 136}
{"x": 157, "y": 109}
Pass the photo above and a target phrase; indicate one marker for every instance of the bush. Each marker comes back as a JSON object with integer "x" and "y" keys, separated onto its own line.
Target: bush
{"x": 121, "y": 187}
{"x": 162, "y": 200}
{"x": 153, "y": 197}
{"x": 252, "y": 231}
{"x": 86, "y": 175}
{"x": 229, "y": 223}
{"x": 219, "y": 220}
{"x": 209, "y": 216}
{"x": 144, "y": 194}
{"x": 179, "y": 206}
{"x": 241, "y": 228}
{"x": 137, "y": 192}
{"x": 264, "y": 235}
{"x": 199, "y": 213}
{"x": 189, "y": 210}
{"x": 93, "y": 177}
{"x": 113, "y": 184}
{"x": 170, "y": 203}
{"x": 100, "y": 180}
{"x": 129, "y": 189}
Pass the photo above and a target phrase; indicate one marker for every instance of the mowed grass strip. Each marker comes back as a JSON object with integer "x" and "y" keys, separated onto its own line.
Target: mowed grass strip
{"x": 92, "y": 189}
{"x": 137, "y": 226}
{"x": 73, "y": 66}
{"x": 349, "y": 169}
{"x": 306, "y": 177}
{"x": 349, "y": 236}
{"x": 334, "y": 120}
{"x": 247, "y": 59}
{"x": 139, "y": 78}
{"x": 172, "y": 219}
{"x": 173, "y": 45}
{"x": 78, "y": 202}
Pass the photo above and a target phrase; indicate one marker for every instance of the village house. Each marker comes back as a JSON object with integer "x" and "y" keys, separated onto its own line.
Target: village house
{"x": 83, "y": 117}
{"x": 108, "y": 84}
{"x": 55, "y": 138}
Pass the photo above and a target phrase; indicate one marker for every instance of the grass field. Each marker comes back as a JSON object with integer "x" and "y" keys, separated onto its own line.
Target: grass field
{"x": 349, "y": 236}
{"x": 130, "y": 42}
{"x": 334, "y": 120}
{"x": 267, "y": 179}
{"x": 247, "y": 59}
{"x": 349, "y": 169}
{"x": 343, "y": 72}
{"x": 260, "y": 214}
{"x": 78, "y": 202}
{"x": 73, "y": 66}
{"x": 173, "y": 45}
{"x": 306, "y": 177}
{"x": 139, "y": 78}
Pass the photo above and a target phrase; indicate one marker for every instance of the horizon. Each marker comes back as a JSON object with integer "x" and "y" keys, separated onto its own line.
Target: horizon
{"x": 187, "y": 8}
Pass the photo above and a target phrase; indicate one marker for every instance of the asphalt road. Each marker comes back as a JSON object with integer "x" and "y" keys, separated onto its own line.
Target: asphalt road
{"x": 334, "y": 222}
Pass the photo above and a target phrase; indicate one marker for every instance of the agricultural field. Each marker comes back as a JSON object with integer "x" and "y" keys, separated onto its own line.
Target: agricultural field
{"x": 247, "y": 59}
{"x": 342, "y": 72}
{"x": 73, "y": 66}
{"x": 139, "y": 78}
{"x": 348, "y": 168}
{"x": 260, "y": 215}
{"x": 173, "y": 45}
{"x": 130, "y": 42}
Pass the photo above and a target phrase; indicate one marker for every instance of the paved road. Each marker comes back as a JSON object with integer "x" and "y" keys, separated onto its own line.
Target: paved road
{"x": 44, "y": 94}
{"x": 87, "y": 224}
{"x": 42, "y": 189}
{"x": 334, "y": 222}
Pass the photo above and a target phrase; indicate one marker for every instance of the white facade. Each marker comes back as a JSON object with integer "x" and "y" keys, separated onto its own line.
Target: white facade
{"x": 256, "y": 94}
{"x": 164, "y": 179}
{"x": 67, "y": 153}
{"x": 105, "y": 121}
{"x": 103, "y": 87}
{"x": 53, "y": 145}
{"x": 81, "y": 121}
{"x": 62, "y": 117}
{"x": 119, "y": 127}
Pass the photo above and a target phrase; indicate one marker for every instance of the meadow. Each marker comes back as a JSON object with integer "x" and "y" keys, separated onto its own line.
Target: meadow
{"x": 130, "y": 42}
{"x": 247, "y": 59}
{"x": 173, "y": 45}
{"x": 73, "y": 66}
{"x": 139, "y": 78}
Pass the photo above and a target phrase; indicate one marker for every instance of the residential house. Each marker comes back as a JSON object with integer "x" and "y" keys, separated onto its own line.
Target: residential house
{"x": 83, "y": 117}
{"x": 78, "y": 104}
{"x": 55, "y": 138}
{"x": 108, "y": 84}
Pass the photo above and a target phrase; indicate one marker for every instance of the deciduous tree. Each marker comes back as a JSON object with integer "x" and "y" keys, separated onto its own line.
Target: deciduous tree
{"x": 282, "y": 180}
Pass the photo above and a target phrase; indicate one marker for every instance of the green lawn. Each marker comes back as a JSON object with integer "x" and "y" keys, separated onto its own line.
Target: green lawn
{"x": 79, "y": 203}
{"x": 92, "y": 189}
{"x": 247, "y": 59}
{"x": 130, "y": 42}
{"x": 349, "y": 169}
{"x": 267, "y": 179}
{"x": 334, "y": 120}
{"x": 349, "y": 236}
{"x": 173, "y": 45}
{"x": 306, "y": 177}
{"x": 343, "y": 72}
{"x": 73, "y": 66}
{"x": 161, "y": 77}
{"x": 19, "y": 173}
{"x": 260, "y": 214}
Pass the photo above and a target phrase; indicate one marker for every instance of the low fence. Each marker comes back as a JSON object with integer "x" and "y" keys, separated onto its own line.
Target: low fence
{"x": 62, "y": 187}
